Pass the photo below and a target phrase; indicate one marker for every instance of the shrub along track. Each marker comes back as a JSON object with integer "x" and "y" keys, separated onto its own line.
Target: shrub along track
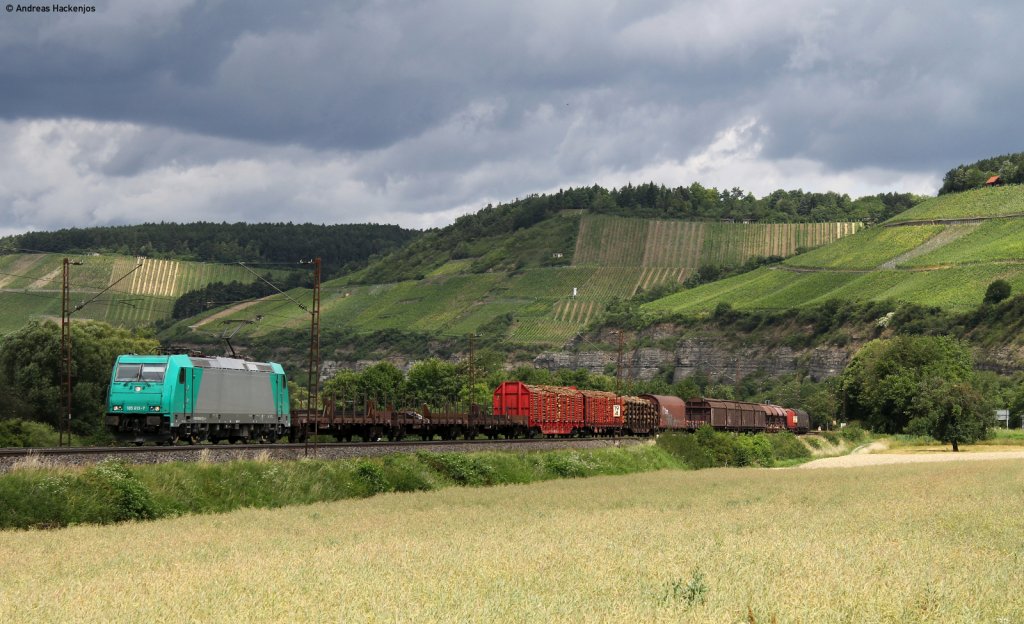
{"x": 12, "y": 457}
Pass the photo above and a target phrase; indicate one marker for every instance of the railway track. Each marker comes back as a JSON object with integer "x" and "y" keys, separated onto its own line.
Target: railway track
{"x": 11, "y": 457}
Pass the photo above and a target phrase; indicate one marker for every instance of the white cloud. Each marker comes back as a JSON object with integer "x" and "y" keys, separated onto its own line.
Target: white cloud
{"x": 414, "y": 114}
{"x": 735, "y": 158}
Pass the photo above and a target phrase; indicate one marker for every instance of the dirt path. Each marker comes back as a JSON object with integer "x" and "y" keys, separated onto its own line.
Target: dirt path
{"x": 223, "y": 313}
{"x": 943, "y": 238}
{"x": 868, "y": 456}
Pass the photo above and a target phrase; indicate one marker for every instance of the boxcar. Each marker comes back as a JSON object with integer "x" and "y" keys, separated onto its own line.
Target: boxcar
{"x": 671, "y": 411}
{"x": 170, "y": 397}
{"x": 797, "y": 421}
{"x": 732, "y": 415}
{"x": 775, "y": 417}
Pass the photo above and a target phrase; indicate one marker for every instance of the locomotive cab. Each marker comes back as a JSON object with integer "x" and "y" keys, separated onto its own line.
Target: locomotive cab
{"x": 138, "y": 401}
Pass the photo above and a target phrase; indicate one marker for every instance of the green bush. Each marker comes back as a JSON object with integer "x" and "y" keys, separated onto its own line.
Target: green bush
{"x": 853, "y": 432}
{"x": 688, "y": 449}
{"x": 18, "y": 433}
{"x": 785, "y": 445}
{"x": 707, "y": 448}
{"x": 567, "y": 465}
{"x": 370, "y": 476}
{"x": 120, "y": 492}
{"x": 459, "y": 467}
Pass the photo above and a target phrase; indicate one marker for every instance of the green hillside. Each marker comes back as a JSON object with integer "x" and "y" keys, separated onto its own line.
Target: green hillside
{"x": 30, "y": 286}
{"x": 982, "y": 202}
{"x": 609, "y": 257}
{"x": 944, "y": 265}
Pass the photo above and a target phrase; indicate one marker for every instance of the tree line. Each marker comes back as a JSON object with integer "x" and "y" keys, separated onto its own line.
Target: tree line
{"x": 1009, "y": 168}
{"x": 342, "y": 247}
{"x": 473, "y": 235}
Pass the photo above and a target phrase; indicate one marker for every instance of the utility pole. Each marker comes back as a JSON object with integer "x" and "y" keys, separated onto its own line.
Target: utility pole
{"x": 314, "y": 347}
{"x": 65, "y": 338}
{"x": 618, "y": 363}
{"x": 314, "y": 355}
{"x": 65, "y": 352}
{"x": 472, "y": 371}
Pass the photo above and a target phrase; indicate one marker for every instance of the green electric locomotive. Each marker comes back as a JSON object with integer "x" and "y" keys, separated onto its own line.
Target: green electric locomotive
{"x": 166, "y": 398}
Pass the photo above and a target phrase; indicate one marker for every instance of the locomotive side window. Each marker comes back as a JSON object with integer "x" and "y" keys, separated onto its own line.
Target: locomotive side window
{"x": 153, "y": 372}
{"x": 128, "y": 372}
{"x": 181, "y": 376}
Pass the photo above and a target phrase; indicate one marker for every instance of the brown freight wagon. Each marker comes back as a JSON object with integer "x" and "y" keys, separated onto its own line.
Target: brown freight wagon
{"x": 775, "y": 417}
{"x": 671, "y": 411}
{"x": 732, "y": 415}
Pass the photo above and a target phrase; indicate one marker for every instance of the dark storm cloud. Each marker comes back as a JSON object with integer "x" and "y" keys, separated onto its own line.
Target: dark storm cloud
{"x": 411, "y": 109}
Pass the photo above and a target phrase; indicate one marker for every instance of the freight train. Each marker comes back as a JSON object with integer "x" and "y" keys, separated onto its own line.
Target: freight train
{"x": 180, "y": 397}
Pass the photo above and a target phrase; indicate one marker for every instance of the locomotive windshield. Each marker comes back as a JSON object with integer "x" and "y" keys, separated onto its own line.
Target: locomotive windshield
{"x": 153, "y": 372}
{"x": 140, "y": 372}
{"x": 128, "y": 372}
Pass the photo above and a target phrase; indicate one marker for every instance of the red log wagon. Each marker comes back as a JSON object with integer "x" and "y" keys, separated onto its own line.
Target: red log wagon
{"x": 602, "y": 412}
{"x": 548, "y": 410}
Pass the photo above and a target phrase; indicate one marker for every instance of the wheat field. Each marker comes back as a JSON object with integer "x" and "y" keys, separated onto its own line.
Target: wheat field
{"x": 914, "y": 543}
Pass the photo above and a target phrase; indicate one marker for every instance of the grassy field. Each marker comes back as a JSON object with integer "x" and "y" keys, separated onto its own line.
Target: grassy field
{"x": 983, "y": 202}
{"x": 32, "y": 285}
{"x": 999, "y": 240}
{"x": 922, "y": 543}
{"x": 867, "y": 249}
{"x": 956, "y": 288}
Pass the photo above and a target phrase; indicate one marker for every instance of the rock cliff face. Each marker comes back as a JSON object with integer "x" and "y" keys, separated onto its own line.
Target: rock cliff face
{"x": 1002, "y": 360}
{"x": 712, "y": 356}
{"x": 730, "y": 364}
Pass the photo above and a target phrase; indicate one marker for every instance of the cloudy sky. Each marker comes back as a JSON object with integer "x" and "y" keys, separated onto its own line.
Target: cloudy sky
{"x": 416, "y": 112}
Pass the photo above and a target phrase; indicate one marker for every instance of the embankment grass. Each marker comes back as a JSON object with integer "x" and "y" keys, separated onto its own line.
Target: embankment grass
{"x": 911, "y": 543}
{"x": 36, "y": 495}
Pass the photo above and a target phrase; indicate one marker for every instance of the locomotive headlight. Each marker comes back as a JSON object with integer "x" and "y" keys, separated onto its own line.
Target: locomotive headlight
{"x": 117, "y": 408}
{"x": 154, "y": 408}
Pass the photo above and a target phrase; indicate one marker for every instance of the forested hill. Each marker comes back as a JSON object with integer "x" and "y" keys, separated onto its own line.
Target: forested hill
{"x": 502, "y": 237}
{"x": 1009, "y": 168}
{"x": 697, "y": 203}
{"x": 342, "y": 247}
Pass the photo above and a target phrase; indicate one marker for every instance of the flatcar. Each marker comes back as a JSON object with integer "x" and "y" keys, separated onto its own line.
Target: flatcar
{"x": 166, "y": 398}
